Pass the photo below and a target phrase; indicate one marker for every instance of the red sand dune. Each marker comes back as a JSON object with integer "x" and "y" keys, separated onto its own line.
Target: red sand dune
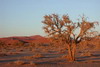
{"x": 24, "y": 39}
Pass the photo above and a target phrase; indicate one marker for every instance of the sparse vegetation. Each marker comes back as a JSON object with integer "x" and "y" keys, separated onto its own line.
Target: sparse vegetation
{"x": 86, "y": 54}
{"x": 18, "y": 62}
{"x": 2, "y": 44}
{"x": 34, "y": 56}
{"x": 38, "y": 55}
{"x": 32, "y": 63}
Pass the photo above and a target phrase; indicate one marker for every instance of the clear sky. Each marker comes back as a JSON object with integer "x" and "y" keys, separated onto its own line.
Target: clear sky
{"x": 23, "y": 17}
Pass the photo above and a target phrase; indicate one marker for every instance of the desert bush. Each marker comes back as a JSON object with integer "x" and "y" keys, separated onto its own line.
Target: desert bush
{"x": 12, "y": 53}
{"x": 32, "y": 44}
{"x": 34, "y": 56}
{"x": 35, "y": 44}
{"x": 31, "y": 62}
{"x": 2, "y": 44}
{"x": 87, "y": 53}
{"x": 38, "y": 55}
{"x": 3, "y": 54}
{"x": 28, "y": 57}
{"x": 18, "y": 62}
{"x": 18, "y": 44}
{"x": 93, "y": 44}
{"x": 65, "y": 56}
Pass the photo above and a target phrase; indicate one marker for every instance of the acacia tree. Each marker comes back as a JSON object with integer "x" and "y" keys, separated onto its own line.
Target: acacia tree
{"x": 63, "y": 29}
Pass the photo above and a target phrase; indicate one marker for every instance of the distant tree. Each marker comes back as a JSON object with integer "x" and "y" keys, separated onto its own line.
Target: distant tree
{"x": 63, "y": 30}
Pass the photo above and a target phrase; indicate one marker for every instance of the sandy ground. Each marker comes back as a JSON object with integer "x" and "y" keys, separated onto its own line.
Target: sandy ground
{"x": 45, "y": 56}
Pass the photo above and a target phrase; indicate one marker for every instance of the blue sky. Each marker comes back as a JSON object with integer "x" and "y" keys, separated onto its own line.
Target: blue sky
{"x": 23, "y": 17}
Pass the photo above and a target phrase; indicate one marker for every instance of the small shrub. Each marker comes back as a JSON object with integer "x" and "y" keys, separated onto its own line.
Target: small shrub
{"x": 32, "y": 63}
{"x": 3, "y": 54}
{"x": 34, "y": 56}
{"x": 65, "y": 56}
{"x": 19, "y": 62}
{"x": 38, "y": 56}
{"x": 86, "y": 54}
{"x": 28, "y": 57}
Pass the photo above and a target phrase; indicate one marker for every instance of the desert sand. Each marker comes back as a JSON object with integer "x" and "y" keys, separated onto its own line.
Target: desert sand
{"x": 46, "y": 55}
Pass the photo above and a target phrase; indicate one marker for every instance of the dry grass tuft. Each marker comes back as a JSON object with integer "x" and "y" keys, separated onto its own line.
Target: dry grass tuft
{"x": 38, "y": 55}
{"x": 65, "y": 56}
{"x": 3, "y": 54}
{"x": 19, "y": 62}
{"x": 32, "y": 63}
{"x": 28, "y": 57}
{"x": 13, "y": 53}
{"x": 34, "y": 56}
{"x": 86, "y": 54}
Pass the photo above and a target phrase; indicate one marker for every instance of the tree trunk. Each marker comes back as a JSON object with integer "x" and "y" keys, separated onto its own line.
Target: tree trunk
{"x": 71, "y": 52}
{"x": 70, "y": 56}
